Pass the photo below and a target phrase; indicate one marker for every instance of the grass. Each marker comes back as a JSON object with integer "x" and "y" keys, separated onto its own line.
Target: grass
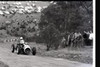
{"x": 83, "y": 55}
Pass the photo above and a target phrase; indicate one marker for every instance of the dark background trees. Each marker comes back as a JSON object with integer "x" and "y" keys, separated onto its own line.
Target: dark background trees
{"x": 67, "y": 17}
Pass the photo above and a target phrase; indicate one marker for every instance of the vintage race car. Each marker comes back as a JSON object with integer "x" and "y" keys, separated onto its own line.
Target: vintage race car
{"x": 23, "y": 49}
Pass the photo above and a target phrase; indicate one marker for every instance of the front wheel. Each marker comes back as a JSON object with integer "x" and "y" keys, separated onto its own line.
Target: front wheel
{"x": 27, "y": 51}
{"x": 34, "y": 50}
{"x": 19, "y": 51}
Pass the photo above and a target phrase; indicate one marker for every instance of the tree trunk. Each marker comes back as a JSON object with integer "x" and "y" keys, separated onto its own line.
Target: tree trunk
{"x": 48, "y": 47}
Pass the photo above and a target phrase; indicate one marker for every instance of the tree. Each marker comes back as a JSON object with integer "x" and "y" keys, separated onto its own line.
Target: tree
{"x": 65, "y": 16}
{"x": 87, "y": 14}
{"x": 51, "y": 36}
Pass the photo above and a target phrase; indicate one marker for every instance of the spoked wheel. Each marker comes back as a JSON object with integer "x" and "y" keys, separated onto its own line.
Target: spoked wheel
{"x": 34, "y": 50}
{"x": 27, "y": 51}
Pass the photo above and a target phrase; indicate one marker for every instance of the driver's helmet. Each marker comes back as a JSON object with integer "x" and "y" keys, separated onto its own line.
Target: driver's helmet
{"x": 21, "y": 38}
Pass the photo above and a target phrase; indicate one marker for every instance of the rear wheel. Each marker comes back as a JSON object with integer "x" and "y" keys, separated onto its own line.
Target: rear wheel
{"x": 13, "y": 48}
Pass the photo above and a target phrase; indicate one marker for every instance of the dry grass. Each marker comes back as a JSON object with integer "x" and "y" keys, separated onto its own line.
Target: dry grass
{"x": 83, "y": 55}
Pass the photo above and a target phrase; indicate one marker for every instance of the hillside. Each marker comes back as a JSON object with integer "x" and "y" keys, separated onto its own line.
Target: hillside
{"x": 12, "y": 11}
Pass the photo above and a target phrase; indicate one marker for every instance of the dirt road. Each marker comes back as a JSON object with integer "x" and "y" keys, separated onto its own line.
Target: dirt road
{"x": 14, "y": 60}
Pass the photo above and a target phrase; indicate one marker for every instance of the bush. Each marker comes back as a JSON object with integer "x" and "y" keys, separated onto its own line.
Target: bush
{"x": 39, "y": 39}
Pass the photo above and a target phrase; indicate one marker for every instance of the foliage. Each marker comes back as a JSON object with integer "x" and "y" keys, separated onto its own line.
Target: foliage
{"x": 24, "y": 28}
{"x": 51, "y": 36}
{"x": 66, "y": 15}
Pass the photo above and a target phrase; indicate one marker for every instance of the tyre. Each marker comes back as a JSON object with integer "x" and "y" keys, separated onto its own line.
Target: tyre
{"x": 27, "y": 51}
{"x": 13, "y": 48}
{"x": 19, "y": 51}
{"x": 34, "y": 50}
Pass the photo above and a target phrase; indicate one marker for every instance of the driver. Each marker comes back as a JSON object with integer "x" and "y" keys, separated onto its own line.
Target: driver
{"x": 21, "y": 42}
